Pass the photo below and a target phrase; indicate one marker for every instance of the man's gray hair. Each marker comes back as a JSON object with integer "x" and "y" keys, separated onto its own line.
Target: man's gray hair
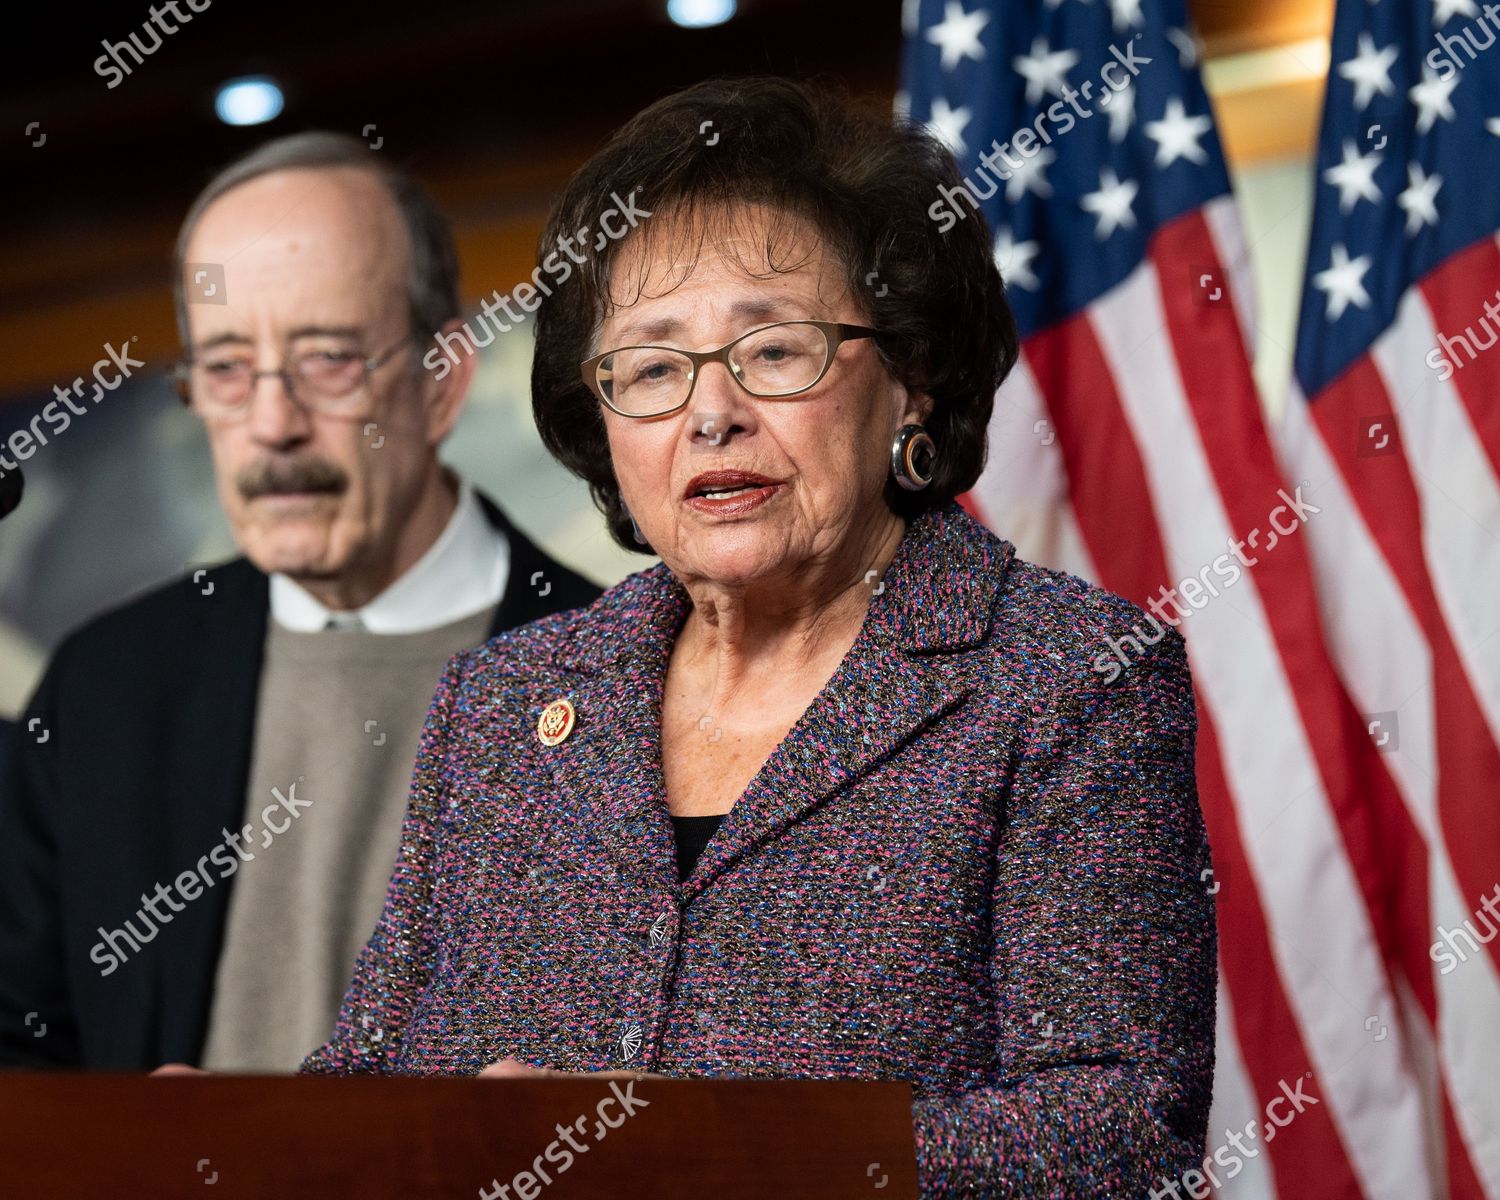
{"x": 432, "y": 286}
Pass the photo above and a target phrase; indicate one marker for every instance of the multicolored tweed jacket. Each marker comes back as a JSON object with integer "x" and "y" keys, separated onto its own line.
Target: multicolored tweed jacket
{"x": 974, "y": 864}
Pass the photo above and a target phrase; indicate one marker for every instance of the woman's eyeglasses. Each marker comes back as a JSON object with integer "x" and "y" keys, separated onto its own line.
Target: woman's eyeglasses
{"x": 784, "y": 359}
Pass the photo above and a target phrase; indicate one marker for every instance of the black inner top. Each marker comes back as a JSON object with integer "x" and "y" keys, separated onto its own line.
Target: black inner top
{"x": 692, "y": 836}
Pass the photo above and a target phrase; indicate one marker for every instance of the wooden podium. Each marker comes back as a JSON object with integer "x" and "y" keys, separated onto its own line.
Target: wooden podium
{"x": 64, "y": 1136}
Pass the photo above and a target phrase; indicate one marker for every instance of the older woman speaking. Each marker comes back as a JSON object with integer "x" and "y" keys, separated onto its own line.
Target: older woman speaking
{"x": 936, "y": 844}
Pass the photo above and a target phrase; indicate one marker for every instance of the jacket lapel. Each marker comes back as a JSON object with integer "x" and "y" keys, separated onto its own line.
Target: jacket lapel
{"x": 899, "y": 675}
{"x": 610, "y": 768}
{"x": 522, "y": 603}
{"x": 205, "y": 773}
{"x": 875, "y": 702}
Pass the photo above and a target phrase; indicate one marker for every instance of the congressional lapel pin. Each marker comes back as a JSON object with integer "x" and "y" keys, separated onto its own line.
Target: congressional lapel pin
{"x": 556, "y": 722}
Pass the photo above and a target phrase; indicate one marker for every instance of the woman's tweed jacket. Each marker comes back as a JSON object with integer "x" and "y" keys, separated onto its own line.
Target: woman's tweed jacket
{"x": 973, "y": 864}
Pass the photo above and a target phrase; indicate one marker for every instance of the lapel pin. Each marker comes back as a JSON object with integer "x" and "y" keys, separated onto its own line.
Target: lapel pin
{"x": 556, "y": 722}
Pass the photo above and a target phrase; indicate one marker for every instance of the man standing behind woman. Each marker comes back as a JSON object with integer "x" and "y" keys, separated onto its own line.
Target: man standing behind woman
{"x": 191, "y": 860}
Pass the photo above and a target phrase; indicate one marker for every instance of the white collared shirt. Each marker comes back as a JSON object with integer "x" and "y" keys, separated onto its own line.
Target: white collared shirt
{"x": 462, "y": 572}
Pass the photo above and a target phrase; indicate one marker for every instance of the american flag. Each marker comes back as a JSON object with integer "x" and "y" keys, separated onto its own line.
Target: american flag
{"x": 1395, "y": 414}
{"x": 1129, "y": 447}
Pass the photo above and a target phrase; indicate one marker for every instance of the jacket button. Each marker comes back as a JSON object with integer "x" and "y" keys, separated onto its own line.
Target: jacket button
{"x": 658, "y": 932}
{"x": 630, "y": 1041}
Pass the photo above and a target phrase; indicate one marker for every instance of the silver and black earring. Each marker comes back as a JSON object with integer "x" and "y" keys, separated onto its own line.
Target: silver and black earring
{"x": 913, "y": 455}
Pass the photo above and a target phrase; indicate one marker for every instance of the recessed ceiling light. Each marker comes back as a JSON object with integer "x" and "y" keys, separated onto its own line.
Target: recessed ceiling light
{"x": 700, "y": 14}
{"x": 252, "y": 100}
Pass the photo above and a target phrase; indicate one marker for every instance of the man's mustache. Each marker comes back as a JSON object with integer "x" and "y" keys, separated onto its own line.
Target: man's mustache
{"x": 274, "y": 478}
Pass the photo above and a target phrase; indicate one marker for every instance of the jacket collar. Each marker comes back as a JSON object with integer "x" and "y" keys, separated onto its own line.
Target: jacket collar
{"x": 937, "y": 595}
{"x": 522, "y": 603}
{"x": 939, "y": 598}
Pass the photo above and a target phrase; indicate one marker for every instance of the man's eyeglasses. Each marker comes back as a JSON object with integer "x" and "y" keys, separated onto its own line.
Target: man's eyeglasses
{"x": 219, "y": 384}
{"x": 784, "y": 359}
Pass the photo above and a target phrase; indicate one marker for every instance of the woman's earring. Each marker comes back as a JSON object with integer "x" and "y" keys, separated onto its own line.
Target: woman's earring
{"x": 913, "y": 455}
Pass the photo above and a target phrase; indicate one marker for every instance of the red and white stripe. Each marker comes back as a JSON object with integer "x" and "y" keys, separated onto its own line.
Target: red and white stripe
{"x": 1408, "y": 569}
{"x": 1153, "y": 455}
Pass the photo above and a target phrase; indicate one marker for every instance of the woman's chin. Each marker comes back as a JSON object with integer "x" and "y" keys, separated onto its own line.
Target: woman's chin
{"x": 735, "y": 556}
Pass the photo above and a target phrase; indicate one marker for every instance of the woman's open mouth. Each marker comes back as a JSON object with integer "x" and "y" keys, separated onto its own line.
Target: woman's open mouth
{"x": 729, "y": 493}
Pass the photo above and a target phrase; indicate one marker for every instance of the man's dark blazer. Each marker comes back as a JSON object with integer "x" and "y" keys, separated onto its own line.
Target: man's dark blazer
{"x": 7, "y": 732}
{"x": 139, "y": 762}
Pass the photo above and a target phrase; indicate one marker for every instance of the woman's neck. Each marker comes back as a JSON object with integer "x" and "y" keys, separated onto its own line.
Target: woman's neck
{"x": 742, "y": 638}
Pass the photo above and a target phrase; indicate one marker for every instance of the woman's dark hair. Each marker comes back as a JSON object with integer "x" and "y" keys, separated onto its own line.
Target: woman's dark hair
{"x": 864, "y": 184}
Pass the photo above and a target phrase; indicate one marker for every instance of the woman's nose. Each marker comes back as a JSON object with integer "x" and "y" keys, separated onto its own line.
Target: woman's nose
{"x": 719, "y": 407}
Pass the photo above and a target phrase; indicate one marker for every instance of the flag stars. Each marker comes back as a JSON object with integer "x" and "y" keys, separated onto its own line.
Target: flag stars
{"x": 1013, "y": 260}
{"x": 1126, "y": 13}
{"x": 1176, "y": 135}
{"x": 948, "y": 124}
{"x": 1188, "y": 48}
{"x": 1030, "y": 176}
{"x": 1354, "y": 177}
{"x": 1419, "y": 198}
{"x": 1045, "y": 70}
{"x": 1444, "y": 11}
{"x": 1343, "y": 282}
{"x": 1431, "y": 98}
{"x": 1493, "y": 125}
{"x": 1370, "y": 71}
{"x": 1111, "y": 203}
{"x": 1121, "y": 109}
{"x": 957, "y": 35}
